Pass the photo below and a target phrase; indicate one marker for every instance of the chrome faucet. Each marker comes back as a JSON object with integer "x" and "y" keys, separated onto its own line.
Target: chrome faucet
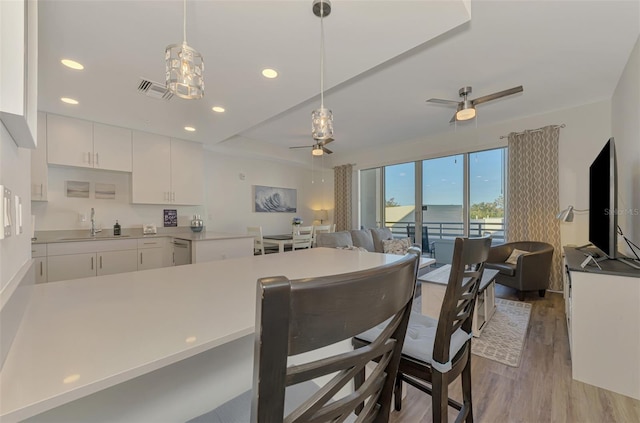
{"x": 93, "y": 222}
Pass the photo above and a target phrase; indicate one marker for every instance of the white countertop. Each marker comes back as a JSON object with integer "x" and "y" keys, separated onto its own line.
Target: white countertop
{"x": 81, "y": 235}
{"x": 81, "y": 336}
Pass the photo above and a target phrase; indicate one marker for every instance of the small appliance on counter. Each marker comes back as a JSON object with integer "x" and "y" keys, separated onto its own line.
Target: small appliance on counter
{"x": 149, "y": 229}
{"x": 197, "y": 224}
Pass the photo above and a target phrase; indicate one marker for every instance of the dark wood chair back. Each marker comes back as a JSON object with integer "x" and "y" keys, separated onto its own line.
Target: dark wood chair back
{"x": 300, "y": 316}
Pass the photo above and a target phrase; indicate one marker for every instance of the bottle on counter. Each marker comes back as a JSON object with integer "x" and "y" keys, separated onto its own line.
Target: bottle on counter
{"x": 116, "y": 229}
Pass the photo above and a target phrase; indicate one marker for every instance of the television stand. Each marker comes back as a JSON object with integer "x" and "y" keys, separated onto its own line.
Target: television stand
{"x": 629, "y": 262}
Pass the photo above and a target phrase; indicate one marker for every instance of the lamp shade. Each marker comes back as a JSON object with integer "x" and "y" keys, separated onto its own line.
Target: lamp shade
{"x": 320, "y": 215}
{"x": 566, "y": 215}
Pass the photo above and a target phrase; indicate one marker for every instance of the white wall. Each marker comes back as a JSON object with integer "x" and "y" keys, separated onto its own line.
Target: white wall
{"x": 587, "y": 129}
{"x": 230, "y": 198}
{"x": 15, "y": 163}
{"x": 625, "y": 119}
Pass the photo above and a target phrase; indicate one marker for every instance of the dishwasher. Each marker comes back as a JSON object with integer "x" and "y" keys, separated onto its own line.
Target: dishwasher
{"x": 181, "y": 252}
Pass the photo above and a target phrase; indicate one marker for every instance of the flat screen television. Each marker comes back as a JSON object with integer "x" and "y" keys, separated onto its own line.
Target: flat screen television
{"x": 603, "y": 201}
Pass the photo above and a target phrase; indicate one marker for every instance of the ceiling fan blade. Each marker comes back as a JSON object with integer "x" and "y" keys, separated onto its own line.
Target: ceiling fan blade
{"x": 453, "y": 118}
{"x": 497, "y": 95}
{"x": 303, "y": 146}
{"x": 326, "y": 150}
{"x": 441, "y": 101}
{"x": 325, "y": 142}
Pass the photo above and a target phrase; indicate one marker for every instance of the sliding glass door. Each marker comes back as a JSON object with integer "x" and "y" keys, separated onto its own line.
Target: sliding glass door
{"x": 439, "y": 199}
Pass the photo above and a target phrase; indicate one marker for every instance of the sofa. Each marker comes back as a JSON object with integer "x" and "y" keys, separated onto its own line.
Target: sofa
{"x": 371, "y": 240}
{"x": 528, "y": 271}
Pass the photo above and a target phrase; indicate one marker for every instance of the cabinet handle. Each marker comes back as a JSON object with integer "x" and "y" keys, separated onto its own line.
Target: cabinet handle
{"x": 173, "y": 196}
{"x": 173, "y": 258}
{"x": 91, "y": 263}
{"x": 140, "y": 257}
{"x": 41, "y": 191}
{"x": 97, "y": 160}
{"x": 41, "y": 273}
{"x": 100, "y": 262}
{"x": 89, "y": 157}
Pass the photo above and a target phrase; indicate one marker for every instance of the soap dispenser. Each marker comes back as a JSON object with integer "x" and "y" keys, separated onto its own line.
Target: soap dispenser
{"x": 116, "y": 229}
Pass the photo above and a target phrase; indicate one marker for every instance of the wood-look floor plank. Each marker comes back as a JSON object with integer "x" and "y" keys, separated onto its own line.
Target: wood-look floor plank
{"x": 540, "y": 389}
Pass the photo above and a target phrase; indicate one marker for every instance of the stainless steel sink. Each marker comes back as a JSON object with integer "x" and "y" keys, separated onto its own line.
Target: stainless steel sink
{"x": 94, "y": 238}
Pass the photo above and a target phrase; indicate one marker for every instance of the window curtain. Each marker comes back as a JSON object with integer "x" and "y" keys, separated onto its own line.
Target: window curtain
{"x": 343, "y": 196}
{"x": 533, "y": 192}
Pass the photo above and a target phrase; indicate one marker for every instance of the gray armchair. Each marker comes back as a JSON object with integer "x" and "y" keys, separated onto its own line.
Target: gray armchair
{"x": 531, "y": 271}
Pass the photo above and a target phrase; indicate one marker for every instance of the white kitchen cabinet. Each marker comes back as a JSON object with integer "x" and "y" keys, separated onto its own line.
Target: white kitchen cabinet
{"x": 39, "y": 255}
{"x": 151, "y": 177}
{"x": 187, "y": 172}
{"x": 39, "y": 169}
{"x": 151, "y": 253}
{"x": 112, "y": 147}
{"x": 110, "y": 262}
{"x": 19, "y": 70}
{"x": 72, "y": 260}
{"x": 71, "y": 266}
{"x": 69, "y": 141}
{"x": 81, "y": 143}
{"x": 166, "y": 170}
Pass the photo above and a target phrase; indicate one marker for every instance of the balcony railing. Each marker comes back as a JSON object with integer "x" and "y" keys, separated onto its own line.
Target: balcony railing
{"x": 448, "y": 230}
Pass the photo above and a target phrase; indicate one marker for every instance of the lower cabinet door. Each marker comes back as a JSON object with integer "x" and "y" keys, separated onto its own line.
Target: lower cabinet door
{"x": 110, "y": 262}
{"x": 150, "y": 258}
{"x": 40, "y": 269}
{"x": 72, "y": 266}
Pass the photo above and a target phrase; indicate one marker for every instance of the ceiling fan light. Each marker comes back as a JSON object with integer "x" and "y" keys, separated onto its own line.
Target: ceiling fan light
{"x": 317, "y": 150}
{"x": 321, "y": 124}
{"x": 466, "y": 114}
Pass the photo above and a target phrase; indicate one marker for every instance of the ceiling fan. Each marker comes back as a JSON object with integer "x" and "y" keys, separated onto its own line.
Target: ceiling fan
{"x": 318, "y": 149}
{"x": 467, "y": 108}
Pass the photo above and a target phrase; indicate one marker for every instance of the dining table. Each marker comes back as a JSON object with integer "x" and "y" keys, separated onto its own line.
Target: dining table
{"x": 280, "y": 240}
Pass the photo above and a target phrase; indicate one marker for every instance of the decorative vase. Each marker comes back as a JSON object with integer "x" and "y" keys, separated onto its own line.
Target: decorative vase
{"x": 296, "y": 229}
{"x": 197, "y": 225}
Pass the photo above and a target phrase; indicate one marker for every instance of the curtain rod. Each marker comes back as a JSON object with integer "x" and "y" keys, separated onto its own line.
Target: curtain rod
{"x": 533, "y": 130}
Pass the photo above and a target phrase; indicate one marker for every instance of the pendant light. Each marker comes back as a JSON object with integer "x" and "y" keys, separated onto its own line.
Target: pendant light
{"x": 184, "y": 67}
{"x": 322, "y": 118}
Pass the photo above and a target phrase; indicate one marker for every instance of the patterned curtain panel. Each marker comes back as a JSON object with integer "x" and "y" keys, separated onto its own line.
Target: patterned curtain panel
{"x": 343, "y": 196}
{"x": 533, "y": 193}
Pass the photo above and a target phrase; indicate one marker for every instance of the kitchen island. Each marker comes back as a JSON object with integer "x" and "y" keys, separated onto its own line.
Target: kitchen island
{"x": 160, "y": 345}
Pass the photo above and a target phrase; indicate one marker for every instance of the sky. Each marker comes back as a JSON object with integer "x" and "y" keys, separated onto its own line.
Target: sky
{"x": 443, "y": 179}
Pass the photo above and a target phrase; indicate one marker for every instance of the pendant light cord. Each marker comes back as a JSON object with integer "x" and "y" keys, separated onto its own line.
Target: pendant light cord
{"x": 184, "y": 21}
{"x": 321, "y": 55}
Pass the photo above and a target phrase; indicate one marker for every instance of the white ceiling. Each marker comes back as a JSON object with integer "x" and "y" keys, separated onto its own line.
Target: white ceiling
{"x": 383, "y": 60}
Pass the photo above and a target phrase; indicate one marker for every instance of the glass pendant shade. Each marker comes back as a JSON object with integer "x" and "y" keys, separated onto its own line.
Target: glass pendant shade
{"x": 321, "y": 124}
{"x": 184, "y": 71}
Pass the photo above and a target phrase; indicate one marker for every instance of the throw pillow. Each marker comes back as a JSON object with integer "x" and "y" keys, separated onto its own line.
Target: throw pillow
{"x": 513, "y": 258}
{"x": 396, "y": 246}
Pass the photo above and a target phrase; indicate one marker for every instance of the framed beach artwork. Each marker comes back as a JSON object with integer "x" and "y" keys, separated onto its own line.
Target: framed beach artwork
{"x": 77, "y": 189}
{"x": 275, "y": 200}
{"x": 105, "y": 191}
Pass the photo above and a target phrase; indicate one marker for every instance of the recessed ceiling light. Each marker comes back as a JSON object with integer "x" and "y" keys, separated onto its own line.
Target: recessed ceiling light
{"x": 218, "y": 109}
{"x": 72, "y": 64}
{"x": 189, "y": 128}
{"x": 69, "y": 100}
{"x": 71, "y": 378}
{"x": 269, "y": 73}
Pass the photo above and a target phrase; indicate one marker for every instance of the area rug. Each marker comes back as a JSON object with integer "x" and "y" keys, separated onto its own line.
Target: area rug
{"x": 503, "y": 337}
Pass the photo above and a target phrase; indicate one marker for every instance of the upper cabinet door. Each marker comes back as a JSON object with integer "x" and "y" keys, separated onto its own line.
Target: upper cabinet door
{"x": 151, "y": 177}
{"x": 186, "y": 172}
{"x": 111, "y": 148}
{"x": 69, "y": 141}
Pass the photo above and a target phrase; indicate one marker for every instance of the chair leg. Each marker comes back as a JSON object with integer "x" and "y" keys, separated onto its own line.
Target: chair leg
{"x": 439, "y": 397}
{"x": 541, "y": 292}
{"x": 397, "y": 393}
{"x": 521, "y": 295}
{"x": 466, "y": 390}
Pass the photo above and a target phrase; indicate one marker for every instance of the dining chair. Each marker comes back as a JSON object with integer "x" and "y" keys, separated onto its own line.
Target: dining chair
{"x": 301, "y": 240}
{"x": 258, "y": 242}
{"x": 305, "y": 316}
{"x": 319, "y": 229}
{"x": 436, "y": 352}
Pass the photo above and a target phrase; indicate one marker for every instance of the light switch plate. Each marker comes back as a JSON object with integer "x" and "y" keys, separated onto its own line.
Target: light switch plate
{"x": 5, "y": 212}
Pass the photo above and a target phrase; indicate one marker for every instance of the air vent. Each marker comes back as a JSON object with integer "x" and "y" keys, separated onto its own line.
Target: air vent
{"x": 154, "y": 90}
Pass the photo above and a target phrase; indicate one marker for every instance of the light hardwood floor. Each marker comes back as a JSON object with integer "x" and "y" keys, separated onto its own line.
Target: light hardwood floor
{"x": 540, "y": 390}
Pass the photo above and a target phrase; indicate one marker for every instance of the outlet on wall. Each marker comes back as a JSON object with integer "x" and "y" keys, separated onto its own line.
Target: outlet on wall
{"x": 82, "y": 217}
